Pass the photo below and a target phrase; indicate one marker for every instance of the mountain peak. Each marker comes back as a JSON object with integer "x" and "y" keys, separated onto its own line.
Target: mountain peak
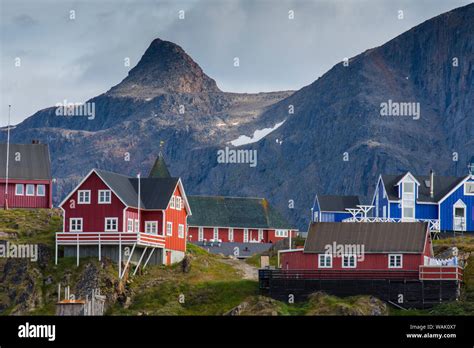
{"x": 164, "y": 68}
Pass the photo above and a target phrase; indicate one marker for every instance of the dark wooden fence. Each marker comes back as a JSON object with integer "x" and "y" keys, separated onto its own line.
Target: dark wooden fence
{"x": 404, "y": 292}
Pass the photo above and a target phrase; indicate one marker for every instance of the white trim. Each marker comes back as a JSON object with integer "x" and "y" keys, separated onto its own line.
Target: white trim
{"x": 26, "y": 190}
{"x": 215, "y": 233}
{"x": 230, "y": 234}
{"x": 79, "y": 195}
{"x": 454, "y": 189}
{"x": 170, "y": 232}
{"x": 403, "y": 179}
{"x": 260, "y": 235}
{"x": 152, "y": 223}
{"x": 112, "y": 219}
{"x": 460, "y": 204}
{"x": 200, "y": 234}
{"x": 465, "y": 186}
{"x": 70, "y": 224}
{"x": 325, "y": 256}
{"x": 128, "y": 225}
{"x": 395, "y": 255}
{"x": 105, "y": 202}
{"x": 355, "y": 261}
{"x": 242, "y": 228}
{"x": 245, "y": 236}
{"x": 22, "y": 189}
{"x": 44, "y": 190}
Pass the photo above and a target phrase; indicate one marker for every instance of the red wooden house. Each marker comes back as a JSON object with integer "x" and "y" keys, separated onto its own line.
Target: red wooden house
{"x": 130, "y": 219}
{"x": 367, "y": 251}
{"x": 28, "y": 176}
{"x": 236, "y": 219}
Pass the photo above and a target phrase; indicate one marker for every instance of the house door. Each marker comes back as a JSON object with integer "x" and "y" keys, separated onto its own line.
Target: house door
{"x": 459, "y": 216}
{"x": 168, "y": 257}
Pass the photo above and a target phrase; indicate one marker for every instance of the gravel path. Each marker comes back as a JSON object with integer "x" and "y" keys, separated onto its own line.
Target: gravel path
{"x": 247, "y": 271}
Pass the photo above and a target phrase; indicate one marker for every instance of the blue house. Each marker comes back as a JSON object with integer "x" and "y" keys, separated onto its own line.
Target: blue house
{"x": 446, "y": 202}
{"x": 332, "y": 208}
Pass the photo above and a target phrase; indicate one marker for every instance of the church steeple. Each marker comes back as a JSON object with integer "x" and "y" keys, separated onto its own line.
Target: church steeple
{"x": 159, "y": 169}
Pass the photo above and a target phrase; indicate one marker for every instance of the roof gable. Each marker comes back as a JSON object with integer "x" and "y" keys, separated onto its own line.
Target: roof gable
{"x": 442, "y": 186}
{"x": 34, "y": 163}
{"x": 377, "y": 237}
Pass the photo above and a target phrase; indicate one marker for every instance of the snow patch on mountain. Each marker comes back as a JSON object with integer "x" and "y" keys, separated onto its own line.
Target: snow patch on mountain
{"x": 257, "y": 135}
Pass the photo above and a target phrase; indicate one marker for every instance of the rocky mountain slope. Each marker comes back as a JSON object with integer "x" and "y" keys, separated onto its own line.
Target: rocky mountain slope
{"x": 336, "y": 141}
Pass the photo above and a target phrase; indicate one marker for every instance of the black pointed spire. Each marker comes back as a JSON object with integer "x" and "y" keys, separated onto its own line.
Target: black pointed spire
{"x": 160, "y": 169}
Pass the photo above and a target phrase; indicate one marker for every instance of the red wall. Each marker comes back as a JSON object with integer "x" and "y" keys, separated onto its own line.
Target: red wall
{"x": 299, "y": 260}
{"x": 93, "y": 214}
{"x": 268, "y": 235}
{"x": 25, "y": 201}
{"x": 176, "y": 217}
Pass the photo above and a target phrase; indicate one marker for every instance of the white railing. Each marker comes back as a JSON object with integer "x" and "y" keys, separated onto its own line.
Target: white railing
{"x": 433, "y": 224}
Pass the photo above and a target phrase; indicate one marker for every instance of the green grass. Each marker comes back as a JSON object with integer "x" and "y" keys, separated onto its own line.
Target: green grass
{"x": 31, "y": 225}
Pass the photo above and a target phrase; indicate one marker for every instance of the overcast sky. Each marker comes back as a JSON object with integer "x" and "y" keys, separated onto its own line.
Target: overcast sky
{"x": 77, "y": 59}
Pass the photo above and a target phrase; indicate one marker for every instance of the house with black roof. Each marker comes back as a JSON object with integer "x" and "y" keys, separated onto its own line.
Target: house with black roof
{"x": 236, "y": 220}
{"x": 332, "y": 208}
{"x": 25, "y": 176}
{"x": 446, "y": 202}
{"x": 110, "y": 214}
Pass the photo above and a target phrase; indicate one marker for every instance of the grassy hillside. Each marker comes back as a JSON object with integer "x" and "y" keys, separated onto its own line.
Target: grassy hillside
{"x": 211, "y": 285}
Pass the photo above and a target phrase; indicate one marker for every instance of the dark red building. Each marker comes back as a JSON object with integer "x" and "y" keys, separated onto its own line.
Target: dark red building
{"x": 378, "y": 250}
{"x": 108, "y": 212}
{"x": 29, "y": 176}
{"x": 236, "y": 219}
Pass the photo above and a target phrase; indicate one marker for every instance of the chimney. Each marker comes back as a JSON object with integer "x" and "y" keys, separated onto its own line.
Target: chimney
{"x": 431, "y": 183}
{"x": 471, "y": 166}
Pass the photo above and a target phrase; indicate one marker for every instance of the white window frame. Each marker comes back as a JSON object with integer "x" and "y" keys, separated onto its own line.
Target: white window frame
{"x": 395, "y": 256}
{"x": 410, "y": 200}
{"x": 281, "y": 233}
{"x": 180, "y": 231}
{"x": 26, "y": 190}
{"x": 172, "y": 205}
{"x": 215, "y": 233}
{"x": 231, "y": 235}
{"x": 44, "y": 190}
{"x": 88, "y": 201}
{"x": 322, "y": 258}
{"x": 71, "y": 224}
{"x": 130, "y": 225}
{"x": 246, "y": 235}
{"x": 466, "y": 193}
{"x": 105, "y": 192}
{"x": 260, "y": 235}
{"x": 200, "y": 234}
{"x": 22, "y": 190}
{"x": 169, "y": 228}
{"x": 151, "y": 227}
{"x": 178, "y": 203}
{"x": 136, "y": 225}
{"x": 354, "y": 257}
{"x": 113, "y": 219}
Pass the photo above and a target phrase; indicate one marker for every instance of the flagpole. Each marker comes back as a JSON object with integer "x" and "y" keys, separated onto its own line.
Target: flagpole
{"x": 139, "y": 199}
{"x": 8, "y": 158}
